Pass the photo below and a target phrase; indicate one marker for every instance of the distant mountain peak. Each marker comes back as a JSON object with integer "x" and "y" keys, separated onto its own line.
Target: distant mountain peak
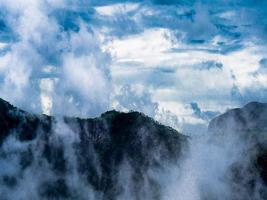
{"x": 249, "y": 126}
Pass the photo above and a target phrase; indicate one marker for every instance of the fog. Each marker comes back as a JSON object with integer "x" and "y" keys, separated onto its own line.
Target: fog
{"x": 207, "y": 171}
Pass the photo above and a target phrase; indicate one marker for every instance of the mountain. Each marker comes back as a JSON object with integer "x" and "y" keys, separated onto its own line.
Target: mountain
{"x": 130, "y": 156}
{"x": 44, "y": 157}
{"x": 248, "y": 126}
{"x": 252, "y": 118}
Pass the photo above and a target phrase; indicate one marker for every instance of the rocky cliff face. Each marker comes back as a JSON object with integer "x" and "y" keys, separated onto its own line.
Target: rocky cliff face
{"x": 44, "y": 157}
{"x": 249, "y": 126}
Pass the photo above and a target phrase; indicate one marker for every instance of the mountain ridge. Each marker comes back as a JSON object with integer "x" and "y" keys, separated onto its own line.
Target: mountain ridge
{"x": 81, "y": 157}
{"x": 92, "y": 150}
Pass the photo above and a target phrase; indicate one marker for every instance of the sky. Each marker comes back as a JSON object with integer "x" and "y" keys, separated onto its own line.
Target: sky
{"x": 181, "y": 62}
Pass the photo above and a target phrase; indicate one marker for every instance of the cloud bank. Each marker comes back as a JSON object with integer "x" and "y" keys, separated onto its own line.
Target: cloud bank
{"x": 78, "y": 54}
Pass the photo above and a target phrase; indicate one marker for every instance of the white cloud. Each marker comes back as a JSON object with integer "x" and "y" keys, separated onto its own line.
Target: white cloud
{"x": 148, "y": 47}
{"x": 80, "y": 67}
{"x": 157, "y": 55}
{"x": 111, "y": 10}
{"x": 140, "y": 53}
{"x": 2, "y": 45}
{"x": 47, "y": 88}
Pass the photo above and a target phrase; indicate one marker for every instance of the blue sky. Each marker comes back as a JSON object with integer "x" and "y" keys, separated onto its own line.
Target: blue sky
{"x": 181, "y": 62}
